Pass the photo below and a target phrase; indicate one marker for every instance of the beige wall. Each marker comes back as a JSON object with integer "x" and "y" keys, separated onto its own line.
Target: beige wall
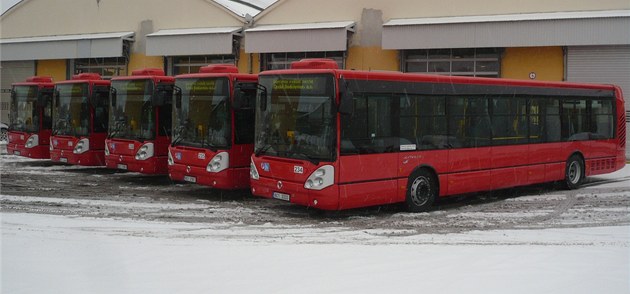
{"x": 303, "y": 11}
{"x": 62, "y": 17}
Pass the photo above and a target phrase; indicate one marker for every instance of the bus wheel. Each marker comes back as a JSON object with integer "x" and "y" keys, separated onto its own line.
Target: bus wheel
{"x": 574, "y": 172}
{"x": 421, "y": 191}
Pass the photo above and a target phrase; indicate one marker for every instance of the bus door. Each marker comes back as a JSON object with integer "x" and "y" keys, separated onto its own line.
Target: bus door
{"x": 368, "y": 161}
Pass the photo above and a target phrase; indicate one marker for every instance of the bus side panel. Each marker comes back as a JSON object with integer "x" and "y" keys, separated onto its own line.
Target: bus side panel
{"x": 466, "y": 182}
{"x": 367, "y": 179}
{"x": 367, "y": 167}
{"x": 368, "y": 194}
{"x": 509, "y": 166}
{"x": 542, "y": 159}
{"x": 470, "y": 170}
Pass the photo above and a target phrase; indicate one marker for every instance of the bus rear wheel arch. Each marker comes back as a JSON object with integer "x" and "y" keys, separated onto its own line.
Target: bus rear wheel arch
{"x": 574, "y": 172}
{"x": 422, "y": 190}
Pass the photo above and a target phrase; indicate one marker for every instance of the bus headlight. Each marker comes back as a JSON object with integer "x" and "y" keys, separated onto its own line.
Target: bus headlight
{"x": 145, "y": 152}
{"x": 219, "y": 162}
{"x": 321, "y": 178}
{"x": 32, "y": 141}
{"x": 253, "y": 172}
{"x": 170, "y": 158}
{"x": 82, "y": 146}
{"x": 106, "y": 149}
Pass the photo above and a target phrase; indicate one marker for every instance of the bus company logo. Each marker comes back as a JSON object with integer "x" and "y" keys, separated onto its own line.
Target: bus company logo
{"x": 188, "y": 169}
{"x": 265, "y": 166}
{"x": 279, "y": 185}
{"x": 120, "y": 158}
{"x": 178, "y": 155}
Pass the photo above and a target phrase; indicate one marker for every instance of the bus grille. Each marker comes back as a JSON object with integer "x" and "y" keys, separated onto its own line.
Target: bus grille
{"x": 602, "y": 164}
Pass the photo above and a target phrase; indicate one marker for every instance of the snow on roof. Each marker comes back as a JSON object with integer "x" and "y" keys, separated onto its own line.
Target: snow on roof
{"x": 508, "y": 17}
{"x": 244, "y": 7}
{"x": 303, "y": 26}
{"x": 196, "y": 31}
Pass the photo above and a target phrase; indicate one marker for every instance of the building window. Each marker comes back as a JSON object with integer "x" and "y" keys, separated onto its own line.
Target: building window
{"x": 474, "y": 62}
{"x": 283, "y": 60}
{"x": 107, "y": 67}
{"x": 192, "y": 64}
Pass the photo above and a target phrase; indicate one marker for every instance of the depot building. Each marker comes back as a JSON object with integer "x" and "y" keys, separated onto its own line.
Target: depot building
{"x": 547, "y": 40}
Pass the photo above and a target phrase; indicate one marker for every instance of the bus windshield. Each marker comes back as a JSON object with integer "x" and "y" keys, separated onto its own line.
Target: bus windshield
{"x": 203, "y": 118}
{"x": 298, "y": 120}
{"x": 72, "y": 110}
{"x": 24, "y": 112}
{"x": 132, "y": 115}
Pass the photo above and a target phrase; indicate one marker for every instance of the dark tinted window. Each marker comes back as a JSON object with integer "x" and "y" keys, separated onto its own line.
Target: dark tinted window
{"x": 244, "y": 119}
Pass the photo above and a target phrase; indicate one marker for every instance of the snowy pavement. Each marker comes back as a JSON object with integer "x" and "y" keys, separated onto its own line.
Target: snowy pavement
{"x": 68, "y": 229}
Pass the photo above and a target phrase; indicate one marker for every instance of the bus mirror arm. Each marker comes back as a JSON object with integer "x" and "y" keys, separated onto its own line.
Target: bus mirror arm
{"x": 263, "y": 97}
{"x": 112, "y": 95}
{"x": 346, "y": 99}
{"x": 177, "y": 94}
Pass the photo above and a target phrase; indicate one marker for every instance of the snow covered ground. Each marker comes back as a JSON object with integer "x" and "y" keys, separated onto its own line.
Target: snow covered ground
{"x": 117, "y": 233}
{"x": 63, "y": 254}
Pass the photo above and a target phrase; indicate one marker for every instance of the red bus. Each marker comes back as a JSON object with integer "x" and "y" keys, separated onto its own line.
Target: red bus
{"x": 140, "y": 122}
{"x": 339, "y": 139}
{"x": 30, "y": 118}
{"x": 213, "y": 127}
{"x": 80, "y": 120}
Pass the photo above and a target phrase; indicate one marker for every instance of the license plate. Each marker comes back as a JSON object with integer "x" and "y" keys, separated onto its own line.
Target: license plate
{"x": 121, "y": 166}
{"x": 16, "y": 152}
{"x": 190, "y": 179}
{"x": 63, "y": 159}
{"x": 281, "y": 196}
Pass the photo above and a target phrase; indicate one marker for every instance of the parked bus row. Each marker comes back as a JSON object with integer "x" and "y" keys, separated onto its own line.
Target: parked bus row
{"x": 322, "y": 137}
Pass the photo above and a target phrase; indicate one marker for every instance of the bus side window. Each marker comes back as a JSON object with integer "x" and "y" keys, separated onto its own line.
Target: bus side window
{"x": 602, "y": 125}
{"x": 423, "y": 121}
{"x": 373, "y": 126}
{"x": 469, "y": 122}
{"x": 552, "y": 120}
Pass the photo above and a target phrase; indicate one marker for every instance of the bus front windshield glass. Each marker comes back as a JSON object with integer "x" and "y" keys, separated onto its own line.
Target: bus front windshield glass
{"x": 132, "y": 113}
{"x": 298, "y": 119}
{"x": 203, "y": 118}
{"x": 72, "y": 110}
{"x": 24, "y": 111}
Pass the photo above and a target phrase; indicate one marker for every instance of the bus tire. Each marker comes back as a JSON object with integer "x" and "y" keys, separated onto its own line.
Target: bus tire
{"x": 574, "y": 172}
{"x": 422, "y": 190}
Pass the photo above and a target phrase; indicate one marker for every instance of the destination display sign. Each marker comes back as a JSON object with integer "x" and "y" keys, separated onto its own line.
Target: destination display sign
{"x": 203, "y": 86}
{"x": 302, "y": 84}
{"x": 74, "y": 90}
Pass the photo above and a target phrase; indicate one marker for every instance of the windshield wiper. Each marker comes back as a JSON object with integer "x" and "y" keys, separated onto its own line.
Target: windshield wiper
{"x": 118, "y": 125}
{"x": 179, "y": 134}
{"x": 262, "y": 149}
{"x": 302, "y": 155}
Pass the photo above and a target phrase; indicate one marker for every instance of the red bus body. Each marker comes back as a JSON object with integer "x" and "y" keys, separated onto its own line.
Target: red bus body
{"x": 30, "y": 118}
{"x": 193, "y": 151}
{"x": 80, "y": 120}
{"x": 383, "y": 177}
{"x": 141, "y": 148}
